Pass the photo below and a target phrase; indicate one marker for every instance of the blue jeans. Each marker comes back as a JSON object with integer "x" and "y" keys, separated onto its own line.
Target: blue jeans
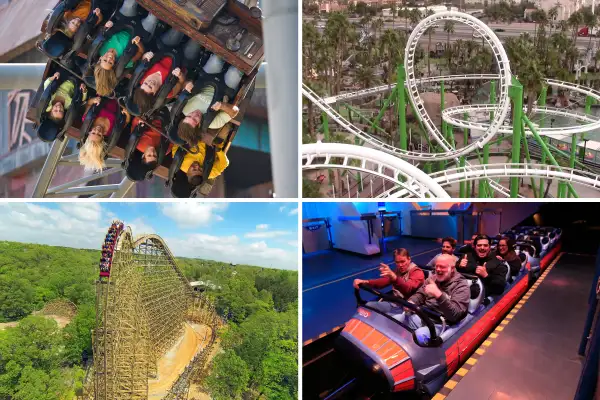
{"x": 411, "y": 320}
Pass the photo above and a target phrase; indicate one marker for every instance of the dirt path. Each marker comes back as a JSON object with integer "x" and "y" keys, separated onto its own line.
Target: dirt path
{"x": 5, "y": 325}
{"x": 173, "y": 363}
{"x": 195, "y": 392}
{"x": 60, "y": 320}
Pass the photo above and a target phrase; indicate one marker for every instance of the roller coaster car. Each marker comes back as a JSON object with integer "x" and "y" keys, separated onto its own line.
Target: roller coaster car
{"x": 177, "y": 179}
{"x": 119, "y": 127}
{"x": 133, "y": 25}
{"x": 391, "y": 354}
{"x": 57, "y": 43}
{"x": 134, "y": 168}
{"x": 162, "y": 97}
{"x": 220, "y": 79}
{"x": 228, "y": 28}
{"x": 48, "y": 130}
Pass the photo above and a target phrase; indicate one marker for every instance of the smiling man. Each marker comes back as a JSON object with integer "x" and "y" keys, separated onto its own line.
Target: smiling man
{"x": 484, "y": 264}
{"x": 448, "y": 247}
{"x": 446, "y": 292}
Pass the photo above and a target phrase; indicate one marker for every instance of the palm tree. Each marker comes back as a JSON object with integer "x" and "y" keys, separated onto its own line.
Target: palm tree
{"x": 449, "y": 29}
{"x": 415, "y": 17}
{"x": 339, "y": 34}
{"x": 377, "y": 25}
{"x": 590, "y": 20}
{"x": 574, "y": 21}
{"x": 429, "y": 31}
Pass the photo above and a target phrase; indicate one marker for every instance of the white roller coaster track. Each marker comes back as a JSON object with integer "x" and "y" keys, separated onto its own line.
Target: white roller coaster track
{"x": 393, "y": 169}
{"x": 469, "y": 172}
{"x": 492, "y": 171}
{"x": 453, "y": 116}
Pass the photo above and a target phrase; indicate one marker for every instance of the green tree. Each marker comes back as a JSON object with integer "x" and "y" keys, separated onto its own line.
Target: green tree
{"x": 77, "y": 335}
{"x": 229, "y": 376}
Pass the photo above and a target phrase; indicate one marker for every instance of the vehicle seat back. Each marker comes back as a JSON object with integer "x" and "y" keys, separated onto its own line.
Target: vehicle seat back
{"x": 523, "y": 258}
{"x": 477, "y": 294}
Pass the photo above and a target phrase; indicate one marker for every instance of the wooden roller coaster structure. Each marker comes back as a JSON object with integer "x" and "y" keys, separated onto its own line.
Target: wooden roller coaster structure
{"x": 141, "y": 311}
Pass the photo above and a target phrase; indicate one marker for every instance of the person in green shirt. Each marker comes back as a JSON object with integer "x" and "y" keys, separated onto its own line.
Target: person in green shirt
{"x": 61, "y": 100}
{"x": 111, "y": 50}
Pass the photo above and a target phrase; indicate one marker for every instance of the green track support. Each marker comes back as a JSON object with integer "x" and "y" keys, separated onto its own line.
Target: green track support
{"x": 543, "y": 99}
{"x": 515, "y": 92}
{"x": 528, "y": 158}
{"x": 325, "y": 119}
{"x": 385, "y": 106}
{"x": 442, "y": 105}
{"x": 401, "y": 74}
{"x": 547, "y": 151}
{"x": 572, "y": 156}
{"x": 463, "y": 185}
{"x": 366, "y": 119}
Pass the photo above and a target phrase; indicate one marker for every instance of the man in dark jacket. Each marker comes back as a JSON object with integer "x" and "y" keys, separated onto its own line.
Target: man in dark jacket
{"x": 482, "y": 263}
{"x": 446, "y": 292}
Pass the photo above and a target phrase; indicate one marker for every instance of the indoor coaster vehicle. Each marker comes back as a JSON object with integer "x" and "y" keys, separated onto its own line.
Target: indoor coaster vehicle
{"x": 217, "y": 45}
{"x": 384, "y": 358}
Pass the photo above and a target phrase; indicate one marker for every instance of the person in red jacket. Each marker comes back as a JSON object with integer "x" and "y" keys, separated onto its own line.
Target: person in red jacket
{"x": 405, "y": 280}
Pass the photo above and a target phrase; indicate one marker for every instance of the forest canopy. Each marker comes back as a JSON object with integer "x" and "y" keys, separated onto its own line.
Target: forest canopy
{"x": 39, "y": 360}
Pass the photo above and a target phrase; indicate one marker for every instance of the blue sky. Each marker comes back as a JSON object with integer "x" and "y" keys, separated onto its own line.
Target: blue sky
{"x": 263, "y": 234}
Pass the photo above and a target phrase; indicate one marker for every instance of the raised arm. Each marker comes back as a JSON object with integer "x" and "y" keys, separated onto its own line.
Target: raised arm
{"x": 140, "y": 52}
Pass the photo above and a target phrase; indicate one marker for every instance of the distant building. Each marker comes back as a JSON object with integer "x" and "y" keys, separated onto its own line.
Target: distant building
{"x": 332, "y": 6}
{"x": 204, "y": 284}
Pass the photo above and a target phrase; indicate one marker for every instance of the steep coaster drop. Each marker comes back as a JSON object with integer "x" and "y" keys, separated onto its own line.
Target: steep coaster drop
{"x": 146, "y": 315}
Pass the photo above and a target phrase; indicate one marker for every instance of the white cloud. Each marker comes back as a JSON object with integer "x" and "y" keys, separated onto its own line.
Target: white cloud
{"x": 282, "y": 208}
{"x": 81, "y": 225}
{"x": 293, "y": 243}
{"x": 294, "y": 211}
{"x": 84, "y": 211}
{"x": 231, "y": 249}
{"x": 262, "y": 227}
{"x": 191, "y": 215}
{"x": 139, "y": 226}
{"x": 85, "y": 227}
{"x": 266, "y": 234}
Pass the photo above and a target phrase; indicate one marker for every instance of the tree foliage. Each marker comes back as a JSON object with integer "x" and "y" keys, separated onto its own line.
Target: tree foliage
{"x": 38, "y": 360}
{"x": 260, "y": 341}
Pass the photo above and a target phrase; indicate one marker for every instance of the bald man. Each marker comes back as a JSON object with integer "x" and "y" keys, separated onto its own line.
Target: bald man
{"x": 446, "y": 291}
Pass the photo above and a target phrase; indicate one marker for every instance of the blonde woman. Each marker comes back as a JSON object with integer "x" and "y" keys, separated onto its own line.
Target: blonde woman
{"x": 111, "y": 50}
{"x": 94, "y": 149}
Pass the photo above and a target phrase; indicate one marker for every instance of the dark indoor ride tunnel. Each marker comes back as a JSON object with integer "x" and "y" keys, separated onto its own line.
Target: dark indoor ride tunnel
{"x": 534, "y": 340}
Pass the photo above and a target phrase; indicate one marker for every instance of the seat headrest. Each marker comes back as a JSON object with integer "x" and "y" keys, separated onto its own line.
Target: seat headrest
{"x": 522, "y": 257}
{"x": 137, "y": 170}
{"x": 180, "y": 187}
{"x": 48, "y": 130}
{"x": 477, "y": 294}
{"x": 57, "y": 45}
{"x": 545, "y": 240}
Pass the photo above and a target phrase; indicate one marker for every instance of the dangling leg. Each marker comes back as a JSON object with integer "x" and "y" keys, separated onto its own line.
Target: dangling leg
{"x": 214, "y": 65}
{"x": 233, "y": 76}
{"x": 129, "y": 8}
{"x": 149, "y": 23}
{"x": 192, "y": 50}
{"x": 172, "y": 37}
